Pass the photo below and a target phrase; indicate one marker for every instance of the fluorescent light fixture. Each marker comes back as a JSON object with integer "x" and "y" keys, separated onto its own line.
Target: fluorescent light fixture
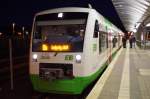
{"x": 137, "y": 25}
{"x": 134, "y": 30}
{"x": 148, "y": 25}
{"x": 120, "y": 5}
{"x": 60, "y": 15}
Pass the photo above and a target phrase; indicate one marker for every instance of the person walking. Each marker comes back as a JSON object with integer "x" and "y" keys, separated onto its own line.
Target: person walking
{"x": 134, "y": 41}
{"x": 130, "y": 41}
{"x": 124, "y": 41}
{"x": 114, "y": 41}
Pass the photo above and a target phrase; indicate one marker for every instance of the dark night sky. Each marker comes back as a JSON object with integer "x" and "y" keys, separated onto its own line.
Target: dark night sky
{"x": 22, "y": 11}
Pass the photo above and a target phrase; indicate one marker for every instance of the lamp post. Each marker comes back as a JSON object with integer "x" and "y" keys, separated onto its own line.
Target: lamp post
{"x": 23, "y": 31}
{"x": 13, "y": 25}
{"x": 10, "y": 57}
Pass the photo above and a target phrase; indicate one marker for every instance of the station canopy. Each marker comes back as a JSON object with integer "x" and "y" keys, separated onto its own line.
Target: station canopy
{"x": 132, "y": 12}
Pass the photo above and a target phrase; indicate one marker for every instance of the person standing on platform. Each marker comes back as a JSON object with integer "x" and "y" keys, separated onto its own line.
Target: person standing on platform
{"x": 134, "y": 41}
{"x": 124, "y": 41}
{"x": 131, "y": 40}
{"x": 114, "y": 41}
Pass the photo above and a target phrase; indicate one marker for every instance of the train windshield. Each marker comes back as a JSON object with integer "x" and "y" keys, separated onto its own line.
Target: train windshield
{"x": 59, "y": 32}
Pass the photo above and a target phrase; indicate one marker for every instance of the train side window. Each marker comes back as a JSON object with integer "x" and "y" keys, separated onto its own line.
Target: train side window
{"x": 106, "y": 40}
{"x": 148, "y": 36}
{"x": 96, "y": 29}
{"x": 37, "y": 34}
{"x": 102, "y": 41}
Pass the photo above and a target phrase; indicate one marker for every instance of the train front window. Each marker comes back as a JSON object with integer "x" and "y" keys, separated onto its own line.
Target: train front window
{"x": 59, "y": 34}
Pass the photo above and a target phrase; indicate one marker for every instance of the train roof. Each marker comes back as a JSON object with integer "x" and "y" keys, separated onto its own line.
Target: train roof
{"x": 78, "y": 9}
{"x": 66, "y": 9}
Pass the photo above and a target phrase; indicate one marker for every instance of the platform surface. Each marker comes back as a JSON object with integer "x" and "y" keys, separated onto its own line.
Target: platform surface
{"x": 127, "y": 77}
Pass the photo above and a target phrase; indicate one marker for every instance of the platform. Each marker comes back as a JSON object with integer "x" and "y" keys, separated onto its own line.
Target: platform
{"x": 127, "y": 77}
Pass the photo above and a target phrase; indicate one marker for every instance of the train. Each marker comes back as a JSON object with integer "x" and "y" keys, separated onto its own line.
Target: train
{"x": 69, "y": 47}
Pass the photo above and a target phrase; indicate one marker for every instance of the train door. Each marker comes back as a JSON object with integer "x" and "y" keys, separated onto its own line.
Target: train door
{"x": 96, "y": 42}
{"x": 102, "y": 41}
{"x": 96, "y": 36}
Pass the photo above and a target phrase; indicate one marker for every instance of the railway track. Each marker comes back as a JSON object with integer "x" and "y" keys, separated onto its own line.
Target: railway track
{"x": 83, "y": 95}
{"x": 20, "y": 67}
{"x": 23, "y": 85}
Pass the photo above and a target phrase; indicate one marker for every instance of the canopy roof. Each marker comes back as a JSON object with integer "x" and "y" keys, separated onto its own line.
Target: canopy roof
{"x": 132, "y": 12}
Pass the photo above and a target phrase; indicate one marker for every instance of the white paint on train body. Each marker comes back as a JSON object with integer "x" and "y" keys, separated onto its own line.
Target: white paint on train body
{"x": 96, "y": 50}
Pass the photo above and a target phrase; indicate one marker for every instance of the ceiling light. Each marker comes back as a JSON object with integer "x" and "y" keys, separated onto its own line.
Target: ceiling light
{"x": 148, "y": 25}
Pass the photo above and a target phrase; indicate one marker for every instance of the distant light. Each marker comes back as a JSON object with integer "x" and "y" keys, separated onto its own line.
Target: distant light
{"x": 23, "y": 29}
{"x": 1, "y": 33}
{"x": 148, "y": 25}
{"x": 131, "y": 33}
{"x": 27, "y": 32}
{"x": 128, "y": 33}
{"x": 19, "y": 33}
{"x": 60, "y": 15}
{"x": 120, "y": 34}
{"x": 13, "y": 24}
{"x": 120, "y": 5}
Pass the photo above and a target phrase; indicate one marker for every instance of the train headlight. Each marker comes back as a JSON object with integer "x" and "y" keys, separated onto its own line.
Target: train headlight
{"x": 35, "y": 56}
{"x": 78, "y": 58}
{"x": 60, "y": 15}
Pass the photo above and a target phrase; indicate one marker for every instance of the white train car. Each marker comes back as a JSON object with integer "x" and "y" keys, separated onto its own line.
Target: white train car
{"x": 69, "y": 47}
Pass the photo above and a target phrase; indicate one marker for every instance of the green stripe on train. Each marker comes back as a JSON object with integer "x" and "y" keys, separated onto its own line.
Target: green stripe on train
{"x": 72, "y": 86}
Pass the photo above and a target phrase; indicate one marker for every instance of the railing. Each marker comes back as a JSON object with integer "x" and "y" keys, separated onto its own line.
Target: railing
{"x": 143, "y": 44}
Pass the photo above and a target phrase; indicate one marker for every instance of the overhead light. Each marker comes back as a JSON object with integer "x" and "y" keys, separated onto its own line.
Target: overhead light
{"x": 148, "y": 25}
{"x": 120, "y": 5}
{"x": 19, "y": 33}
{"x": 137, "y": 24}
{"x": 27, "y": 32}
{"x": 134, "y": 30}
